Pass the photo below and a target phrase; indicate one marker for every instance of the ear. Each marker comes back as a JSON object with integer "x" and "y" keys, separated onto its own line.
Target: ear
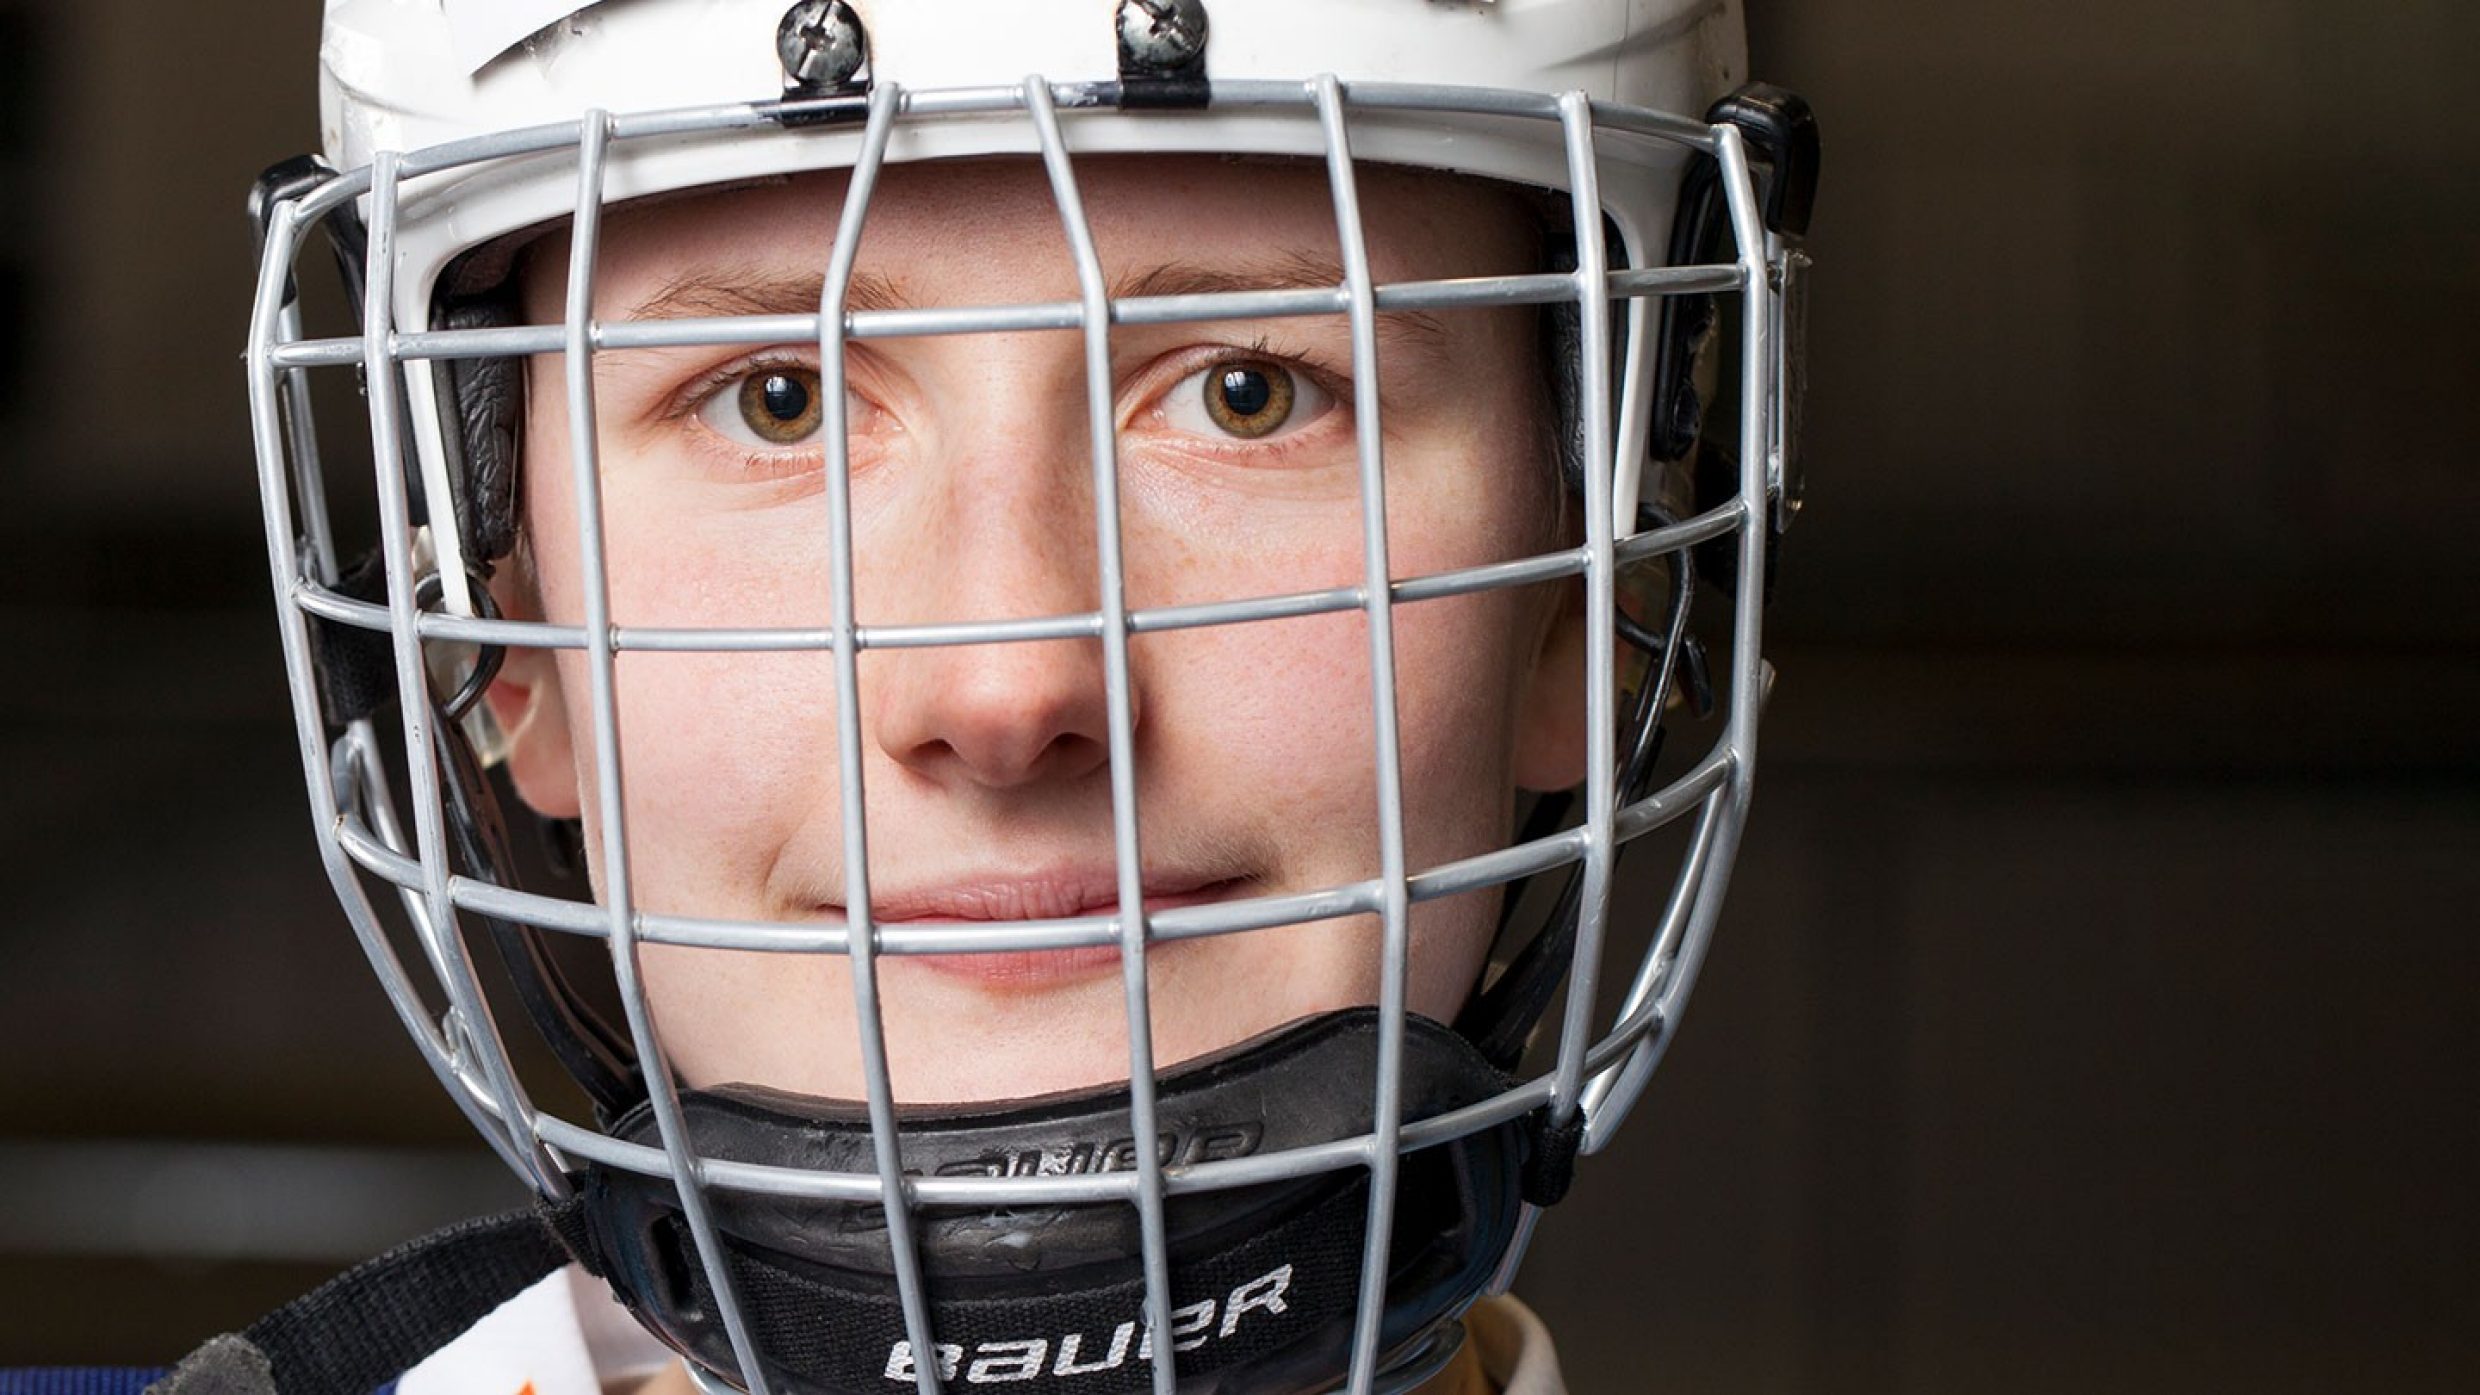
{"x": 1550, "y": 717}
{"x": 525, "y": 699}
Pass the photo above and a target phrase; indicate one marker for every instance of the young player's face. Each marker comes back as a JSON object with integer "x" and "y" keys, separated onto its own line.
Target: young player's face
{"x": 986, "y": 767}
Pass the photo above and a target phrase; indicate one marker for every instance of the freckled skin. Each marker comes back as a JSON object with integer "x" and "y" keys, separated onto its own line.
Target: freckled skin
{"x": 973, "y": 500}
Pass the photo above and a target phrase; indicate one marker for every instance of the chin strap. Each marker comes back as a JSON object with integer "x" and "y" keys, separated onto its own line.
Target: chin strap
{"x": 595, "y": 1052}
{"x": 377, "y": 1320}
{"x": 1501, "y": 1017}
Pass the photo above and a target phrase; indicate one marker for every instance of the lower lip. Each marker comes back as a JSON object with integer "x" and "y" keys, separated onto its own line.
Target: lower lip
{"x": 1020, "y": 970}
{"x": 1023, "y": 970}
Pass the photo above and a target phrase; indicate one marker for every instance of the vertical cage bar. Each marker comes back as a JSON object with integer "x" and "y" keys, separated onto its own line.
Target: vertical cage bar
{"x": 439, "y": 927}
{"x": 302, "y": 441}
{"x": 585, "y": 436}
{"x": 912, "y": 1291}
{"x": 1094, "y": 320}
{"x": 1760, "y": 399}
{"x": 1609, "y": 1096}
{"x": 379, "y": 805}
{"x": 273, "y": 320}
{"x": 1600, "y": 666}
{"x": 1385, "y": 1162}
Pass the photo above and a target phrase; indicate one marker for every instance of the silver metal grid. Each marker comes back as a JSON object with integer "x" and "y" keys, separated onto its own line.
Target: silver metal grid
{"x": 362, "y": 839}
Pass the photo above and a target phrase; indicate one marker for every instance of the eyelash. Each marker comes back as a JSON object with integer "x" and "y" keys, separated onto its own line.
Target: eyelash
{"x": 1310, "y": 365}
{"x": 697, "y": 392}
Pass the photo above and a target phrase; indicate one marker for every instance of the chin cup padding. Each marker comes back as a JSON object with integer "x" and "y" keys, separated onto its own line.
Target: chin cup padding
{"x": 1264, "y": 1278}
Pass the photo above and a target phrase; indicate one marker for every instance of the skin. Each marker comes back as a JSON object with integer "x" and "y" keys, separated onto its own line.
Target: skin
{"x": 986, "y": 767}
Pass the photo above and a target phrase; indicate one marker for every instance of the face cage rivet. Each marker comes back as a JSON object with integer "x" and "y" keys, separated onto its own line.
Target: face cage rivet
{"x": 1161, "y": 35}
{"x": 822, "y": 45}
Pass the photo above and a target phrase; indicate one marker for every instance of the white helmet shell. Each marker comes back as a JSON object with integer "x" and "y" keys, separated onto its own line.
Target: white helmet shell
{"x": 393, "y": 78}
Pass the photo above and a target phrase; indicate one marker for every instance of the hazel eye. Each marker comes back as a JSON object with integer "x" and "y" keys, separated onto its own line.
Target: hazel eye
{"x": 766, "y": 407}
{"x": 1248, "y": 399}
{"x": 1245, "y": 398}
{"x": 781, "y": 406}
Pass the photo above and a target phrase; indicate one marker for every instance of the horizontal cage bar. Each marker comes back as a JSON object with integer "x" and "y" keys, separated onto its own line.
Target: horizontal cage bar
{"x": 326, "y": 604}
{"x": 1497, "y": 867}
{"x": 762, "y": 1179}
{"x": 1457, "y": 293}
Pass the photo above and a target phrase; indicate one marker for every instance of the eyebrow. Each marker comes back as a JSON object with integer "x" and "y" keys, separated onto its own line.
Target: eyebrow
{"x": 728, "y": 292}
{"x": 723, "y": 293}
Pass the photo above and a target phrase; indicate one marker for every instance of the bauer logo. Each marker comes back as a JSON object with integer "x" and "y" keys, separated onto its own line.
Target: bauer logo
{"x": 1205, "y": 1142}
{"x": 1175, "y": 1147}
{"x": 1071, "y": 1354}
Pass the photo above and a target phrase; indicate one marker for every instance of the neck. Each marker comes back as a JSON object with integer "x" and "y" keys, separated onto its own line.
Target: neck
{"x": 1462, "y": 1376}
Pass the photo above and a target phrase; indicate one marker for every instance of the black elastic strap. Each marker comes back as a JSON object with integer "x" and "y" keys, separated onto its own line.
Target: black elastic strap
{"x": 375, "y": 1321}
{"x": 595, "y": 1053}
{"x": 1550, "y": 1168}
{"x": 356, "y": 667}
{"x": 1500, "y": 1018}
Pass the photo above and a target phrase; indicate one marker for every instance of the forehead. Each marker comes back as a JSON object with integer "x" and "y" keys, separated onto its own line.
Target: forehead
{"x": 989, "y": 231}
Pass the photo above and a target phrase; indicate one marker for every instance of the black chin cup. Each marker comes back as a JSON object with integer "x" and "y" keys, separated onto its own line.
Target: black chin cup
{"x": 1264, "y": 1278}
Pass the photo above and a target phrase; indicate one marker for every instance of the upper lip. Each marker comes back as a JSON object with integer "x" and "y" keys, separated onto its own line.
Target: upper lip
{"x": 1052, "y": 895}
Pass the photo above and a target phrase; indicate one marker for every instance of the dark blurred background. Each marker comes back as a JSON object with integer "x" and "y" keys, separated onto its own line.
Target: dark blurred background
{"x": 2096, "y": 1009}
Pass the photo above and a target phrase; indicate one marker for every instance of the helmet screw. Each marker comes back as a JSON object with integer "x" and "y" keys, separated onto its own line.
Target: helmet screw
{"x": 1161, "y": 36}
{"x": 822, "y": 45}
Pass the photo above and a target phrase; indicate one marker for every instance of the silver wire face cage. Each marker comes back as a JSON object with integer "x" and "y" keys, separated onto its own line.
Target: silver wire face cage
{"x": 383, "y": 790}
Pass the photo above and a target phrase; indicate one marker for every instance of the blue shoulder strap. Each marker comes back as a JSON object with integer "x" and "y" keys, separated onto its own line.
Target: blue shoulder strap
{"x": 95, "y": 1380}
{"x": 72, "y": 1380}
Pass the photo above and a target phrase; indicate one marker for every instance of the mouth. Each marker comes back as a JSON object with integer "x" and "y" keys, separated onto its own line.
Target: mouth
{"x": 978, "y": 904}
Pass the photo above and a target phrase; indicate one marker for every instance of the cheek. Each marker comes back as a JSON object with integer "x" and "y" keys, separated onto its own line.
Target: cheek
{"x": 1281, "y": 711}
{"x": 726, "y": 757}
{"x": 1281, "y": 696}
{"x": 1458, "y": 664}
{"x": 1271, "y": 725}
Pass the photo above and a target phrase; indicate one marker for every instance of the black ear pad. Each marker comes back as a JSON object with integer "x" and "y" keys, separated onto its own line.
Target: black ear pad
{"x": 1264, "y": 1277}
{"x": 487, "y": 396}
{"x": 1782, "y": 143}
{"x": 1686, "y": 322}
{"x": 1562, "y": 349}
{"x": 1562, "y": 345}
{"x": 1684, "y": 329}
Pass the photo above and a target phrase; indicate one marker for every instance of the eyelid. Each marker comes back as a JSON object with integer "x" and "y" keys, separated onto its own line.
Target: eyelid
{"x": 1156, "y": 379}
{"x": 1177, "y": 367}
{"x": 692, "y": 396}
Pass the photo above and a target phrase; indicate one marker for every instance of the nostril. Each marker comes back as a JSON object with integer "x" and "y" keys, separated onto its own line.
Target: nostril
{"x": 998, "y": 720}
{"x": 1081, "y": 753}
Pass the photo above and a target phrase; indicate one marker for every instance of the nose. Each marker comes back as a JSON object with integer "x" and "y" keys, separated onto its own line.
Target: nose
{"x": 1011, "y": 538}
{"x": 998, "y": 716}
